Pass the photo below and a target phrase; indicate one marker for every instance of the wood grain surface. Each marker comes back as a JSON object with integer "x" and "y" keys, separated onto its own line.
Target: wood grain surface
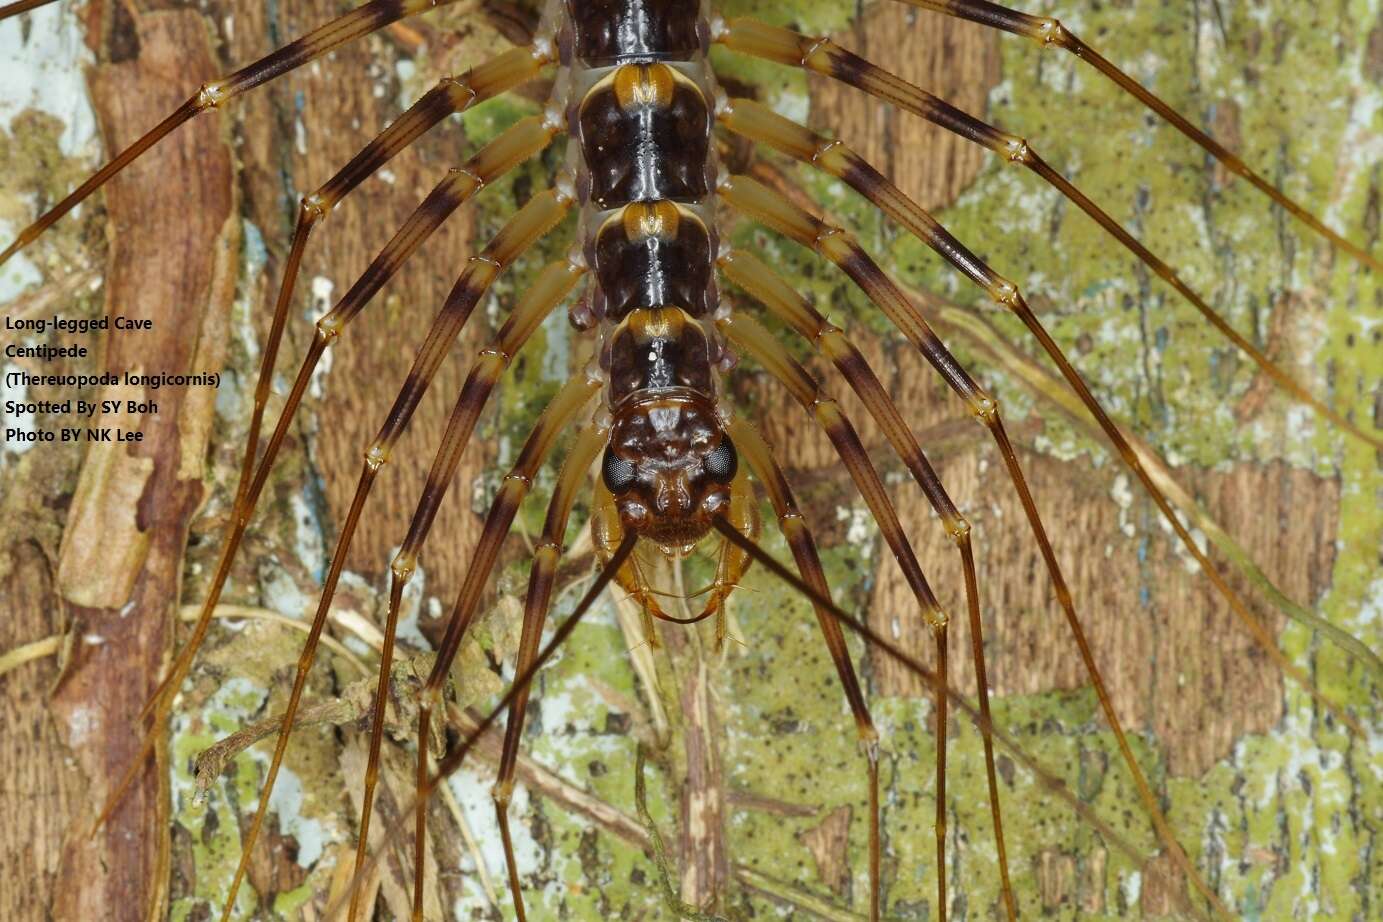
{"x": 195, "y": 236}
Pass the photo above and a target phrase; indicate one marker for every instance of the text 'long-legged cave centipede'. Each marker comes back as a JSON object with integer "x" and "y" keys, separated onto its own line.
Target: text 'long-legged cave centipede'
{"x": 462, "y": 524}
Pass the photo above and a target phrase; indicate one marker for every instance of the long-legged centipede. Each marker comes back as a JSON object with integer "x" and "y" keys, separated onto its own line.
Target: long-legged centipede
{"x": 670, "y": 205}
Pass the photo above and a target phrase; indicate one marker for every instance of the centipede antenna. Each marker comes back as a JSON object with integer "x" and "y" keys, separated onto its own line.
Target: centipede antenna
{"x": 674, "y": 465}
{"x": 864, "y": 631}
{"x": 833, "y": 243}
{"x": 759, "y": 123}
{"x": 1050, "y": 32}
{"x": 21, "y": 6}
{"x": 363, "y": 20}
{"x": 160, "y": 702}
{"x": 453, "y": 761}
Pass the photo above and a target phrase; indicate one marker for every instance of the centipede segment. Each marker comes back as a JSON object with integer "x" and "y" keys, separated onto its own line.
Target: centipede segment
{"x": 650, "y": 411}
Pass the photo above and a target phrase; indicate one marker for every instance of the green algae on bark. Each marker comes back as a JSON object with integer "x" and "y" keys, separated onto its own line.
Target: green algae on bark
{"x": 1283, "y": 825}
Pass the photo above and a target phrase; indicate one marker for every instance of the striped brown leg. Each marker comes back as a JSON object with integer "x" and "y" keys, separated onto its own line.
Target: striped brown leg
{"x": 800, "y": 541}
{"x": 840, "y": 161}
{"x": 759, "y": 123}
{"x": 843, "y": 619}
{"x": 790, "y": 306}
{"x": 491, "y": 162}
{"x": 540, "y": 299}
{"x": 531, "y": 222}
{"x": 745, "y": 333}
{"x": 832, "y": 242}
{"x": 524, "y": 140}
{"x": 21, "y": 6}
{"x": 537, "y": 602}
{"x": 794, "y": 529}
{"x": 838, "y": 246}
{"x": 363, "y": 20}
{"x": 562, "y": 412}
{"x": 1050, "y": 32}
{"x": 450, "y": 96}
{"x": 455, "y": 758}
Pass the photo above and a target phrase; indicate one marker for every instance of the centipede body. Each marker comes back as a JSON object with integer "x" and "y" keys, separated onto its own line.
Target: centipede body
{"x": 1267, "y": 457}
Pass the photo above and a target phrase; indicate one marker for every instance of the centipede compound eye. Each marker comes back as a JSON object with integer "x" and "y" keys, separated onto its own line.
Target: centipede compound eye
{"x": 619, "y": 475}
{"x": 722, "y": 462}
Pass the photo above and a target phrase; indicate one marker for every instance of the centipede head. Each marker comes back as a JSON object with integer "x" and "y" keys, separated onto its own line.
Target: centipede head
{"x": 669, "y": 465}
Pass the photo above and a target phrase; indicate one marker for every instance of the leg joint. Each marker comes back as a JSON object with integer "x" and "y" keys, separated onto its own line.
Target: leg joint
{"x": 210, "y": 96}
{"x": 314, "y": 207}
{"x": 826, "y": 233}
{"x": 826, "y": 145}
{"x": 1051, "y": 32}
{"x": 1016, "y": 149}
{"x": 985, "y": 408}
{"x": 469, "y": 171}
{"x": 810, "y": 46}
{"x": 460, "y": 91}
{"x": 376, "y": 456}
{"x": 328, "y": 328}
{"x": 1006, "y": 293}
{"x": 403, "y": 566}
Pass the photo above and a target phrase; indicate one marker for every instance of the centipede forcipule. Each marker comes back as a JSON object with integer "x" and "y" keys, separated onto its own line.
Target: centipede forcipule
{"x": 706, "y": 234}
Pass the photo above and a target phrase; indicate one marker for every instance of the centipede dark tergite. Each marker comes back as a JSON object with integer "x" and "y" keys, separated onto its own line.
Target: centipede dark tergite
{"x": 1067, "y": 608}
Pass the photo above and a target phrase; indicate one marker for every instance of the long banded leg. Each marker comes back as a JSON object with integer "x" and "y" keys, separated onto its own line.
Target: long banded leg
{"x": 21, "y": 6}
{"x": 534, "y": 220}
{"x": 799, "y": 538}
{"x": 1049, "y": 32}
{"x": 838, "y": 246}
{"x": 361, "y": 21}
{"x": 559, "y": 415}
{"x": 539, "y": 215}
{"x": 525, "y": 139}
{"x": 455, "y": 758}
{"x": 452, "y": 95}
{"x": 329, "y": 326}
{"x": 548, "y": 291}
{"x": 835, "y": 244}
{"x": 537, "y": 601}
{"x": 746, "y": 437}
{"x": 790, "y": 306}
{"x": 842, "y": 618}
{"x": 746, "y": 333}
{"x": 759, "y": 123}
